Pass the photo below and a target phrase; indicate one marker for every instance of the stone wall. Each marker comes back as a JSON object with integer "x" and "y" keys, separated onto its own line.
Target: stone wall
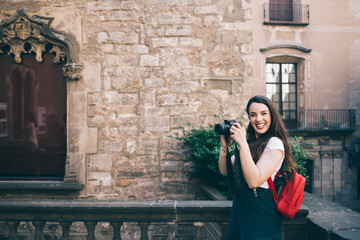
{"x": 150, "y": 66}
{"x": 333, "y": 178}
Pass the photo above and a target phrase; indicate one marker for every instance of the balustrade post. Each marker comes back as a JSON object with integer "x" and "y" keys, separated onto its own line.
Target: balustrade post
{"x": 116, "y": 230}
{"x": 13, "y": 225}
{"x": 224, "y": 227}
{"x": 198, "y": 230}
{"x": 65, "y": 230}
{"x": 39, "y": 227}
{"x": 171, "y": 226}
{"x": 90, "y": 230}
{"x": 144, "y": 226}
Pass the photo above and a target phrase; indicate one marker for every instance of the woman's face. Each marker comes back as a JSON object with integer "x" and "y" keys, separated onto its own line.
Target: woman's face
{"x": 260, "y": 118}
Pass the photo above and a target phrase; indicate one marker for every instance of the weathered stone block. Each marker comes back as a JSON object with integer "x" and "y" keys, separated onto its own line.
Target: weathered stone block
{"x": 154, "y": 82}
{"x": 184, "y": 87}
{"x": 149, "y": 60}
{"x": 131, "y": 173}
{"x": 102, "y": 37}
{"x": 88, "y": 140}
{"x": 193, "y": 42}
{"x": 173, "y": 177}
{"x": 117, "y": 37}
{"x": 157, "y": 124}
{"x": 183, "y": 120}
{"x": 100, "y": 162}
{"x": 172, "y": 99}
{"x": 129, "y": 98}
{"x": 164, "y": 42}
{"x": 112, "y": 60}
{"x": 154, "y": 31}
{"x": 147, "y": 98}
{"x": 196, "y": 2}
{"x": 168, "y": 19}
{"x": 103, "y": 5}
{"x": 172, "y": 155}
{"x": 166, "y": 2}
{"x": 140, "y": 49}
{"x": 206, "y": 10}
{"x": 103, "y": 178}
{"x": 222, "y": 84}
{"x": 122, "y": 183}
{"x": 111, "y": 145}
{"x": 150, "y": 162}
{"x": 169, "y": 166}
{"x": 130, "y": 146}
{"x": 107, "y": 48}
{"x": 120, "y": 16}
{"x": 128, "y": 5}
{"x": 125, "y": 119}
{"x": 178, "y": 31}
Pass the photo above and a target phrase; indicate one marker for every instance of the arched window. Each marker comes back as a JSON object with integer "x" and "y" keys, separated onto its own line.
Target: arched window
{"x": 287, "y": 81}
{"x": 32, "y": 100}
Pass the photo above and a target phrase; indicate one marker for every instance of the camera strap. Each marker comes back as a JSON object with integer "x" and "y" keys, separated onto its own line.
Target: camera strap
{"x": 238, "y": 171}
{"x": 234, "y": 173}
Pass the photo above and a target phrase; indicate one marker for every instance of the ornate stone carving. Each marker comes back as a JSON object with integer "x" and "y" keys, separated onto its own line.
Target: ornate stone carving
{"x": 72, "y": 71}
{"x": 30, "y": 35}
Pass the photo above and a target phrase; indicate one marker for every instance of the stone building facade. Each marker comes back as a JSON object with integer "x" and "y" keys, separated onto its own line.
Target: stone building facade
{"x": 135, "y": 72}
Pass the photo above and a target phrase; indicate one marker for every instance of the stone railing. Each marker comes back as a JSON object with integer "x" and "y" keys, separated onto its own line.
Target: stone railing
{"x": 166, "y": 215}
{"x": 91, "y": 212}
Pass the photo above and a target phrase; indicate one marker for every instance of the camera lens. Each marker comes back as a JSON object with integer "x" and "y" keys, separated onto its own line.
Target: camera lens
{"x": 222, "y": 129}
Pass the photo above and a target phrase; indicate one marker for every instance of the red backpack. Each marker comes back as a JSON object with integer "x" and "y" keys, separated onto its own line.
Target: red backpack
{"x": 291, "y": 194}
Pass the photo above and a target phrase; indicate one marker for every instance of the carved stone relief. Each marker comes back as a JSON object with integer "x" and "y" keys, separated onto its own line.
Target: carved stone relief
{"x": 72, "y": 71}
{"x": 25, "y": 34}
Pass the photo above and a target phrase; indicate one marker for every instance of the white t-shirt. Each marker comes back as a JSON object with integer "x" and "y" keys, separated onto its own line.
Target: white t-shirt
{"x": 274, "y": 143}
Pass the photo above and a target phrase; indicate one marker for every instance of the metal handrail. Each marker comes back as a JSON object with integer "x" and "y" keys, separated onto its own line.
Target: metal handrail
{"x": 327, "y": 119}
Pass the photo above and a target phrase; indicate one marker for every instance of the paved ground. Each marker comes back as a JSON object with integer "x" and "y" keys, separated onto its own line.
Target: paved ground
{"x": 353, "y": 205}
{"x": 329, "y": 220}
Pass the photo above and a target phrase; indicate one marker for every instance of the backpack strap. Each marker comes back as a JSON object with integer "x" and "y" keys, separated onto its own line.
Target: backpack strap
{"x": 272, "y": 187}
{"x": 271, "y": 183}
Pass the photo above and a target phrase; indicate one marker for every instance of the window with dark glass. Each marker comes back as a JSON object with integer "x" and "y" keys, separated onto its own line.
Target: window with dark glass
{"x": 281, "y": 10}
{"x": 32, "y": 118}
{"x": 281, "y": 89}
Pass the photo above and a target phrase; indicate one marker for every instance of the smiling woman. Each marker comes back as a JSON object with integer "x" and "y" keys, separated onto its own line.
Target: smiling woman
{"x": 263, "y": 150}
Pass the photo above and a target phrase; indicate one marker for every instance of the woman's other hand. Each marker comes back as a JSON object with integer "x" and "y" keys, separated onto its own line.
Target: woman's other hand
{"x": 225, "y": 143}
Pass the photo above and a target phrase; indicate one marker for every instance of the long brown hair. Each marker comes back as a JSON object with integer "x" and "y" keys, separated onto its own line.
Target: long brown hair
{"x": 277, "y": 129}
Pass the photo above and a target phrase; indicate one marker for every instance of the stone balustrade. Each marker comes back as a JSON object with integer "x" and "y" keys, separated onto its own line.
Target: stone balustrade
{"x": 145, "y": 213}
{"x": 91, "y": 212}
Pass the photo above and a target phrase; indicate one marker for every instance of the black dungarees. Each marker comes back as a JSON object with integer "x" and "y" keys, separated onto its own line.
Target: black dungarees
{"x": 254, "y": 216}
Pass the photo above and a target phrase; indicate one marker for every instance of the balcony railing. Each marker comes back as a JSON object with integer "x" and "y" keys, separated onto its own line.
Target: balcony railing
{"x": 145, "y": 213}
{"x": 326, "y": 119}
{"x": 286, "y": 14}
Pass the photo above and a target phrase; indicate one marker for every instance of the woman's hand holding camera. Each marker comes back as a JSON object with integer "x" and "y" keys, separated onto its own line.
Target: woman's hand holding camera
{"x": 238, "y": 133}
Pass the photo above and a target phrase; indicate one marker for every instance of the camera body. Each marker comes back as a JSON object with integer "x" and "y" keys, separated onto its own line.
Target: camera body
{"x": 224, "y": 128}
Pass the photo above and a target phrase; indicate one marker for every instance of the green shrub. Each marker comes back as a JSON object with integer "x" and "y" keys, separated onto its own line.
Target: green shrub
{"x": 205, "y": 146}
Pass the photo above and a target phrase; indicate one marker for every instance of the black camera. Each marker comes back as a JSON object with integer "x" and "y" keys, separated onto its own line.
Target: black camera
{"x": 224, "y": 128}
